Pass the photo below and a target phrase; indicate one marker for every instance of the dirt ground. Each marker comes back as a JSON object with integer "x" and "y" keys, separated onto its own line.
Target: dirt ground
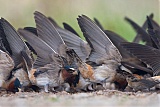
{"x": 105, "y": 98}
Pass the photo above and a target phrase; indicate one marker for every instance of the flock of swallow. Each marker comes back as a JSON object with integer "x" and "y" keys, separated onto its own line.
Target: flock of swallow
{"x": 51, "y": 59}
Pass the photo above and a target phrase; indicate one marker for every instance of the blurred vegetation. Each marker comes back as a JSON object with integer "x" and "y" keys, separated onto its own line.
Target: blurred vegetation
{"x": 110, "y": 13}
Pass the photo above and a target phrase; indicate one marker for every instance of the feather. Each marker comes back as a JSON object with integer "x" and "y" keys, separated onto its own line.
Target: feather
{"x": 116, "y": 40}
{"x": 42, "y": 49}
{"x": 144, "y": 36}
{"x": 144, "y": 26}
{"x": 98, "y": 24}
{"x": 72, "y": 41}
{"x": 69, "y": 28}
{"x": 14, "y": 40}
{"x": 102, "y": 48}
{"x": 47, "y": 32}
{"x": 147, "y": 54}
{"x": 153, "y": 34}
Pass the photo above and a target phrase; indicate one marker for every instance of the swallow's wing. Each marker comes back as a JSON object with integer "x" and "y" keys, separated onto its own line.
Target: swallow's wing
{"x": 53, "y": 22}
{"x": 31, "y": 29}
{"x": 42, "y": 49}
{"x": 98, "y": 23}
{"x": 27, "y": 59}
{"x": 144, "y": 36}
{"x": 14, "y": 40}
{"x": 102, "y": 48}
{"x": 148, "y": 82}
{"x": 72, "y": 41}
{"x": 146, "y": 54}
{"x": 134, "y": 67}
{"x": 116, "y": 40}
{"x": 69, "y": 28}
{"x": 4, "y": 45}
{"x": 155, "y": 36}
{"x": 34, "y": 31}
{"x": 144, "y": 26}
{"x": 114, "y": 37}
{"x": 154, "y": 23}
{"x": 48, "y": 33}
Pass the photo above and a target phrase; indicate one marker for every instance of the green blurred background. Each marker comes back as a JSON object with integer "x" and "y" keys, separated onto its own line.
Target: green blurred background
{"x": 110, "y": 13}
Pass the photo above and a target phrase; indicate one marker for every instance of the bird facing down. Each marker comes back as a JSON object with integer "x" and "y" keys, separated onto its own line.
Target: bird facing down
{"x": 12, "y": 42}
{"x": 104, "y": 59}
{"x": 50, "y": 70}
{"x": 138, "y": 83}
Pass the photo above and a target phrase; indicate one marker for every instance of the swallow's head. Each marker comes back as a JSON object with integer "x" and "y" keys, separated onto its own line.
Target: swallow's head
{"x": 22, "y": 76}
{"x": 14, "y": 85}
{"x": 70, "y": 75}
{"x": 17, "y": 83}
{"x": 71, "y": 70}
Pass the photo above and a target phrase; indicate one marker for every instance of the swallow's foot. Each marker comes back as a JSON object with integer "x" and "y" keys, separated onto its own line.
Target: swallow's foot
{"x": 46, "y": 87}
{"x": 128, "y": 89}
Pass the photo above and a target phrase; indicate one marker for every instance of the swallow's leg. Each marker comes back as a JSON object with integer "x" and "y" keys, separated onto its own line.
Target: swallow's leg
{"x": 46, "y": 87}
{"x": 128, "y": 89}
{"x": 67, "y": 87}
{"x": 104, "y": 85}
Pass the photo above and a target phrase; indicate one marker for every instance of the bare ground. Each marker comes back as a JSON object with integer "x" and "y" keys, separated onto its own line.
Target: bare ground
{"x": 107, "y": 98}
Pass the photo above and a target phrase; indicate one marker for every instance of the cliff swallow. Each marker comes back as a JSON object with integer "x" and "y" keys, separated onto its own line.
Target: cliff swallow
{"x": 50, "y": 70}
{"x": 69, "y": 28}
{"x": 11, "y": 85}
{"x": 147, "y": 54}
{"x": 138, "y": 83}
{"x": 115, "y": 39}
{"x": 15, "y": 45}
{"x": 129, "y": 62}
{"x": 104, "y": 56}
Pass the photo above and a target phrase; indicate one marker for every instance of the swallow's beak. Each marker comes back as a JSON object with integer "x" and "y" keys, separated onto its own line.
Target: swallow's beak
{"x": 75, "y": 72}
{"x": 19, "y": 90}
